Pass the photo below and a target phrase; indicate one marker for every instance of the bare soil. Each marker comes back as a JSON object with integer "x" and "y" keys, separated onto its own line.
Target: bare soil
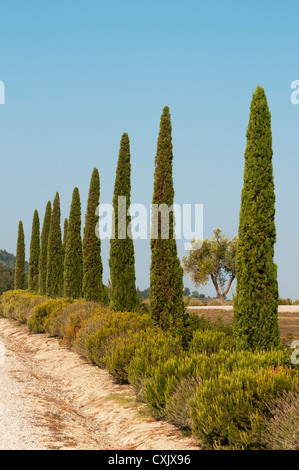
{"x": 51, "y": 398}
{"x": 288, "y": 317}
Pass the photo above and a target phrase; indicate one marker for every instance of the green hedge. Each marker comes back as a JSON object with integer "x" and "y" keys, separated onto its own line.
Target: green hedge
{"x": 19, "y": 304}
{"x": 41, "y": 320}
{"x": 155, "y": 349}
{"x": 113, "y": 325}
{"x": 211, "y": 341}
{"x": 121, "y": 352}
{"x": 197, "y": 380}
{"x": 225, "y": 407}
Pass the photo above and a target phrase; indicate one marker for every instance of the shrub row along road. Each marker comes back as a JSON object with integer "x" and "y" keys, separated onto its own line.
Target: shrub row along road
{"x": 50, "y": 398}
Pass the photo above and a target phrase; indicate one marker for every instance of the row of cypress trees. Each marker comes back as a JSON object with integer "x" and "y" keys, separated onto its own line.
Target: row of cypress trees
{"x": 61, "y": 267}
{"x": 74, "y": 268}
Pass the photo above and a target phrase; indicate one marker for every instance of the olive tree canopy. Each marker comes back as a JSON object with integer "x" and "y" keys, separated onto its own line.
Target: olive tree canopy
{"x": 215, "y": 260}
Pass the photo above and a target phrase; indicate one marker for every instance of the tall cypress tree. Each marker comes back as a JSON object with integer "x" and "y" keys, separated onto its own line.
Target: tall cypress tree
{"x": 54, "y": 284}
{"x": 44, "y": 250}
{"x": 93, "y": 288}
{"x": 20, "y": 274}
{"x": 34, "y": 255}
{"x": 166, "y": 272}
{"x": 73, "y": 260}
{"x": 65, "y": 228}
{"x": 256, "y": 301}
{"x": 123, "y": 294}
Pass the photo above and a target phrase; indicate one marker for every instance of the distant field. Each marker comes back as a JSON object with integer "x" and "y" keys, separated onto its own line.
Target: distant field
{"x": 288, "y": 317}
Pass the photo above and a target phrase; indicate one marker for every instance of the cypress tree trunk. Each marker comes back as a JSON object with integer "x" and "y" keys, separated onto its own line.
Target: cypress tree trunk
{"x": 20, "y": 274}
{"x": 256, "y": 301}
{"x": 54, "y": 284}
{"x": 34, "y": 255}
{"x": 166, "y": 274}
{"x": 93, "y": 289}
{"x": 123, "y": 294}
{"x": 73, "y": 260}
{"x": 44, "y": 251}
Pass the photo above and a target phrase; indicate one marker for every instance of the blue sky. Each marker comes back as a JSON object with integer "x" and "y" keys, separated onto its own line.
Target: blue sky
{"x": 79, "y": 74}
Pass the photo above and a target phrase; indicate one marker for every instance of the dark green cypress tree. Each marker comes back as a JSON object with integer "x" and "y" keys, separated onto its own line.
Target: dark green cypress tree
{"x": 20, "y": 274}
{"x": 44, "y": 250}
{"x": 73, "y": 258}
{"x": 256, "y": 300}
{"x": 166, "y": 273}
{"x": 93, "y": 289}
{"x": 123, "y": 294}
{"x": 65, "y": 228}
{"x": 55, "y": 254}
{"x": 34, "y": 255}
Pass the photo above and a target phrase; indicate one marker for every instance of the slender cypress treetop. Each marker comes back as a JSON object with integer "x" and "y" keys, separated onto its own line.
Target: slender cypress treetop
{"x": 256, "y": 301}
{"x": 54, "y": 284}
{"x": 33, "y": 284}
{"x": 44, "y": 250}
{"x": 123, "y": 294}
{"x": 93, "y": 289}
{"x": 166, "y": 274}
{"x": 73, "y": 258}
{"x": 20, "y": 274}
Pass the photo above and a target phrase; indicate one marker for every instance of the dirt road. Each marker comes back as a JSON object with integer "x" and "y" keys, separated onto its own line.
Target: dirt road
{"x": 50, "y": 398}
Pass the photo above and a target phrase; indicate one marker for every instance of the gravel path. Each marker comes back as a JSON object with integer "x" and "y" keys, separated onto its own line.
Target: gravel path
{"x": 51, "y": 398}
{"x": 17, "y": 429}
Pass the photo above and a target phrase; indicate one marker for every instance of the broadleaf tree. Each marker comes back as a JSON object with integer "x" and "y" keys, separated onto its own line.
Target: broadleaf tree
{"x": 213, "y": 259}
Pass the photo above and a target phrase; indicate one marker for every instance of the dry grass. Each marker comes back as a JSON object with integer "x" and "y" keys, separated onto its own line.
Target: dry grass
{"x": 288, "y": 321}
